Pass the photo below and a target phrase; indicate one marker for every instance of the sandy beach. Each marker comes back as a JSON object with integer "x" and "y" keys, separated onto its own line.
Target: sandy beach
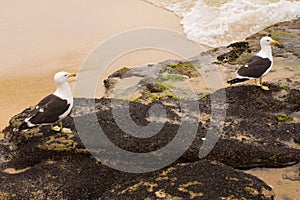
{"x": 38, "y": 39}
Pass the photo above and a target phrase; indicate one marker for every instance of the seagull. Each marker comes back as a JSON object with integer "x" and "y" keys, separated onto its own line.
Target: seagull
{"x": 257, "y": 66}
{"x": 53, "y": 107}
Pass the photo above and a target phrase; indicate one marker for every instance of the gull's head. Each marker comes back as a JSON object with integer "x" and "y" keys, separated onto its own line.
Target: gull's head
{"x": 267, "y": 41}
{"x": 62, "y": 77}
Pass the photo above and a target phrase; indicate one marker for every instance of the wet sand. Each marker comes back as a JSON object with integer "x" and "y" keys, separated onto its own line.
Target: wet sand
{"x": 284, "y": 181}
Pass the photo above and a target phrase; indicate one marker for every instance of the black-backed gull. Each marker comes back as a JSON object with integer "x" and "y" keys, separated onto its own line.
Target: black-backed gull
{"x": 257, "y": 66}
{"x": 53, "y": 107}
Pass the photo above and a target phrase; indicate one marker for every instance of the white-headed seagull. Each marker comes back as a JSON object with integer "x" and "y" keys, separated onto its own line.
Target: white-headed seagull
{"x": 257, "y": 66}
{"x": 53, "y": 107}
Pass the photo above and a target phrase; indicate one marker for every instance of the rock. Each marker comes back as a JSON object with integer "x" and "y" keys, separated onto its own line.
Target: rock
{"x": 155, "y": 87}
{"x": 77, "y": 176}
{"x": 147, "y": 83}
{"x": 236, "y": 50}
{"x": 241, "y": 145}
{"x": 67, "y": 177}
{"x": 46, "y": 155}
{"x": 119, "y": 73}
{"x": 252, "y": 135}
{"x": 109, "y": 83}
{"x": 252, "y": 126}
{"x": 199, "y": 180}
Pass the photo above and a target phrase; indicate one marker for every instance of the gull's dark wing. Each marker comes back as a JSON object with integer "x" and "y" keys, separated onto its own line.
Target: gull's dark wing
{"x": 48, "y": 110}
{"x": 255, "y": 67}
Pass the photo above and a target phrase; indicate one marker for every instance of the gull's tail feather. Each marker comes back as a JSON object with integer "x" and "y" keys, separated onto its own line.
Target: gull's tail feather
{"x": 23, "y": 126}
{"x": 237, "y": 80}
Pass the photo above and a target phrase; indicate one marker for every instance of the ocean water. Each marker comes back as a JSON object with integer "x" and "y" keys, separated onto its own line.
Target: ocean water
{"x": 221, "y": 22}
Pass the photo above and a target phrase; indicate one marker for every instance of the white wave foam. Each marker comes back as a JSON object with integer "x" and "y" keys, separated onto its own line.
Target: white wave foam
{"x": 179, "y": 7}
{"x": 215, "y": 23}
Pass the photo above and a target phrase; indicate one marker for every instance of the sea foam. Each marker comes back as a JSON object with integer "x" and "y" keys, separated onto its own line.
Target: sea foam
{"x": 221, "y": 22}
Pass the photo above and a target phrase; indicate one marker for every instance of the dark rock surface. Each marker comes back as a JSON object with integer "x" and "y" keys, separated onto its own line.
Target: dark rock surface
{"x": 199, "y": 180}
{"x": 252, "y": 137}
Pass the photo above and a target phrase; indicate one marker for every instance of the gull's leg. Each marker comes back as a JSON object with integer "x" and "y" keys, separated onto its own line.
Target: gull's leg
{"x": 258, "y": 83}
{"x": 265, "y": 87}
{"x": 262, "y": 86}
{"x": 60, "y": 125}
{"x": 60, "y": 128}
{"x": 64, "y": 130}
{"x": 55, "y": 128}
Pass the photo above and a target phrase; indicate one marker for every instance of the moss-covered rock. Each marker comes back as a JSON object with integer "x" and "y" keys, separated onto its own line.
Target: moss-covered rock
{"x": 185, "y": 68}
{"x": 119, "y": 73}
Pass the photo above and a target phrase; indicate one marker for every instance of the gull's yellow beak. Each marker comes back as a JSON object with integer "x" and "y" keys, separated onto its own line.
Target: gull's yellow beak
{"x": 275, "y": 42}
{"x": 72, "y": 74}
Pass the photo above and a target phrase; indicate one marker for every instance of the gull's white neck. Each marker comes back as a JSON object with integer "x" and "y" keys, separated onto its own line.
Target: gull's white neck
{"x": 63, "y": 91}
{"x": 265, "y": 52}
